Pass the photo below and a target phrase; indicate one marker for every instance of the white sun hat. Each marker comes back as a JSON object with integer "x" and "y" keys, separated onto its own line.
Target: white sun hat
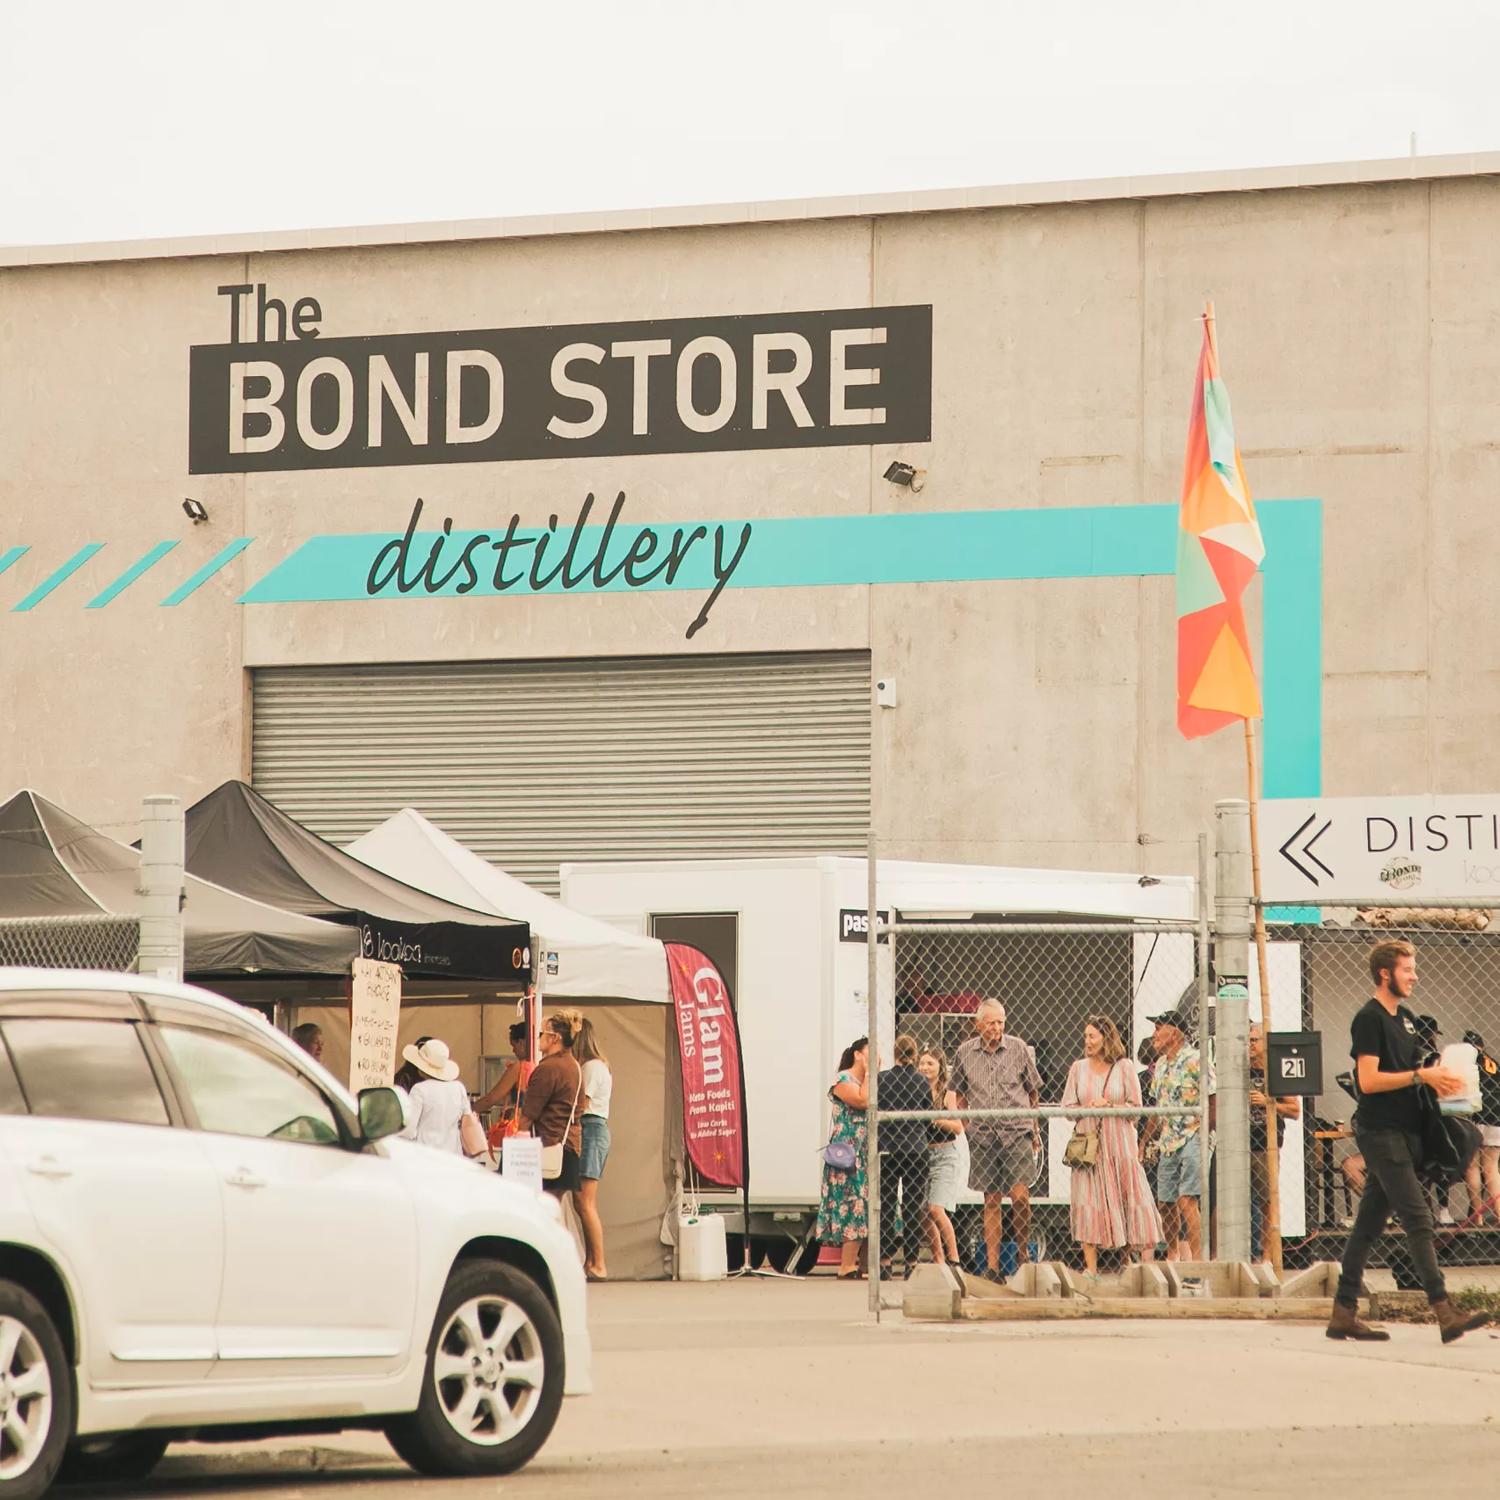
{"x": 433, "y": 1059}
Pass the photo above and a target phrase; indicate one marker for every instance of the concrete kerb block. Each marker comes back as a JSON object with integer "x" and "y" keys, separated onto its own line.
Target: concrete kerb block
{"x": 1041, "y": 1279}
{"x": 1214, "y": 1278}
{"x": 981, "y": 1286}
{"x": 1254, "y": 1280}
{"x": 1320, "y": 1280}
{"x": 930, "y": 1294}
{"x": 1145, "y": 1280}
{"x": 1071, "y": 1283}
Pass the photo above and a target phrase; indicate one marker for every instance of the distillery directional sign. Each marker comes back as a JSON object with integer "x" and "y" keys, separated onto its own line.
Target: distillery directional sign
{"x": 1365, "y": 848}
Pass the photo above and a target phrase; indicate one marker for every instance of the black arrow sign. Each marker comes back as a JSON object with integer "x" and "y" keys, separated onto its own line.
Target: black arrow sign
{"x": 1307, "y": 849}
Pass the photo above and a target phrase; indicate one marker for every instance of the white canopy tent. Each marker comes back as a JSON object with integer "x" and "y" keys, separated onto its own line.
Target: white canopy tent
{"x": 620, "y": 981}
{"x": 594, "y": 961}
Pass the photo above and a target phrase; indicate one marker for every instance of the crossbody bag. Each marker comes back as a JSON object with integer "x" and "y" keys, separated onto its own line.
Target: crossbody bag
{"x": 552, "y": 1156}
{"x": 1082, "y": 1149}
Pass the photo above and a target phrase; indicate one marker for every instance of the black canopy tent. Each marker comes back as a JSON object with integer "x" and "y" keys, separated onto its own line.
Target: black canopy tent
{"x": 239, "y": 840}
{"x": 55, "y": 865}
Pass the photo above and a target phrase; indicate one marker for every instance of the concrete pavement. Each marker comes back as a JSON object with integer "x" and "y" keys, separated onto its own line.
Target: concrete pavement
{"x": 786, "y": 1388}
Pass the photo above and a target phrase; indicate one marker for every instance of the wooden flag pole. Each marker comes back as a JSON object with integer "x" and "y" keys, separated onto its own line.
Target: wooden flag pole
{"x": 1271, "y": 1231}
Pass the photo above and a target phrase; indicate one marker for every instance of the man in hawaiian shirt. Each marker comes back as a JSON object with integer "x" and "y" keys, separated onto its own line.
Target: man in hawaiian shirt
{"x": 1176, "y": 1082}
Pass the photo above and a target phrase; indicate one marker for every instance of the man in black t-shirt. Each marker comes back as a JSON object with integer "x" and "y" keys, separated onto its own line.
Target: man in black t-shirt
{"x": 1388, "y": 1054}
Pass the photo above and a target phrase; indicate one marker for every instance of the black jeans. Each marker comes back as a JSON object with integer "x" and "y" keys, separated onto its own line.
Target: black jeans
{"x": 1391, "y": 1158}
{"x": 908, "y": 1175}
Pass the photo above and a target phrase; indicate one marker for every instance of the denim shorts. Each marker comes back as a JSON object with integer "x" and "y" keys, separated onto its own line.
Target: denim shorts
{"x": 595, "y": 1147}
{"x": 1180, "y": 1175}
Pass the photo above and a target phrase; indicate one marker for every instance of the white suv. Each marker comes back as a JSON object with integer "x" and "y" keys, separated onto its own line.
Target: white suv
{"x": 202, "y": 1235}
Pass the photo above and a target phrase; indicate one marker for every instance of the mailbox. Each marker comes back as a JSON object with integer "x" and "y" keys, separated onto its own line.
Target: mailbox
{"x": 1294, "y": 1063}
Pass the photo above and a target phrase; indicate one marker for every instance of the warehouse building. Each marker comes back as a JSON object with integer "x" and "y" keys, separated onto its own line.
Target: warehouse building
{"x": 588, "y": 537}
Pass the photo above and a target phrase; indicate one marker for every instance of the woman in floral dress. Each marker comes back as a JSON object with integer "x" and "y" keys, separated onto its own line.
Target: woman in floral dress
{"x": 1112, "y": 1201}
{"x": 843, "y": 1206}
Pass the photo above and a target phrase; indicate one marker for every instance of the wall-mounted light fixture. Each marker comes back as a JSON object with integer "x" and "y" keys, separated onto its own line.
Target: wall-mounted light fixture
{"x": 195, "y": 511}
{"x": 906, "y": 476}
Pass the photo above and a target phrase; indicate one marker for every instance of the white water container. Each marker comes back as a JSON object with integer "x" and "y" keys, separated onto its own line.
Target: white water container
{"x": 1462, "y": 1059}
{"x": 702, "y": 1250}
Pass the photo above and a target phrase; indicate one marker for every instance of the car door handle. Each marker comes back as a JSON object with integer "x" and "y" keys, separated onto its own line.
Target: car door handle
{"x": 48, "y": 1166}
{"x": 245, "y": 1178}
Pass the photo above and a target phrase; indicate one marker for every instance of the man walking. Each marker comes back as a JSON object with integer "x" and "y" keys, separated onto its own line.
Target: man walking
{"x": 996, "y": 1071}
{"x": 1177, "y": 1083}
{"x": 1385, "y": 1043}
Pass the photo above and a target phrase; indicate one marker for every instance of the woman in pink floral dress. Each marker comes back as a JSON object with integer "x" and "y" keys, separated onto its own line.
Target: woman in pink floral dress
{"x": 1112, "y": 1201}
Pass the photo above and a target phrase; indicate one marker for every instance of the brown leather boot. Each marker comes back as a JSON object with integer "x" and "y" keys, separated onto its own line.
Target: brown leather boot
{"x": 1453, "y": 1324}
{"x": 1346, "y": 1323}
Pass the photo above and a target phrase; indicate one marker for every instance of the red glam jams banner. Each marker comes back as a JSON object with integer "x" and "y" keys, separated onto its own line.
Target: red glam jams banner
{"x": 708, "y": 1041}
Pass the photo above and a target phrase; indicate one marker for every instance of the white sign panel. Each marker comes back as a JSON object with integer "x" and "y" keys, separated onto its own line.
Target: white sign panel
{"x": 375, "y": 1012}
{"x": 1284, "y": 966}
{"x": 1363, "y": 848}
{"x": 521, "y": 1160}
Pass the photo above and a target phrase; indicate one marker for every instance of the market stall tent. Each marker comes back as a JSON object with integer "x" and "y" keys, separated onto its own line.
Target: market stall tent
{"x": 619, "y": 981}
{"x": 239, "y": 840}
{"x": 53, "y": 864}
{"x": 577, "y": 956}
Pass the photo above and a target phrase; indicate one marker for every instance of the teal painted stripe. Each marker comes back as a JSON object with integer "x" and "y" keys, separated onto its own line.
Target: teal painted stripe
{"x": 213, "y": 565}
{"x": 1292, "y": 649}
{"x": 10, "y": 555}
{"x": 65, "y": 572}
{"x": 130, "y": 575}
{"x": 1072, "y": 542}
{"x": 799, "y": 552}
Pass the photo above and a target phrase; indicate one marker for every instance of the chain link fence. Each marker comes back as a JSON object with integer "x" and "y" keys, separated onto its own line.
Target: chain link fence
{"x": 84, "y": 942}
{"x": 1457, "y": 997}
{"x": 1001, "y": 1017}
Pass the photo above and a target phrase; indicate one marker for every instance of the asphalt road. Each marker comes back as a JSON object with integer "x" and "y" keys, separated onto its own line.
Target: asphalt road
{"x": 786, "y": 1389}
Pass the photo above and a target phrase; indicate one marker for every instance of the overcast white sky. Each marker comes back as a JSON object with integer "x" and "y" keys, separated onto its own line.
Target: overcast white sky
{"x": 123, "y": 119}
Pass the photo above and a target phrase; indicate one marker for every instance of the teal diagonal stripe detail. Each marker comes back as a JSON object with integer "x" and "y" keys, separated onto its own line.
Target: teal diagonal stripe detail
{"x": 207, "y": 571}
{"x": 130, "y": 575}
{"x": 65, "y": 572}
{"x": 10, "y": 555}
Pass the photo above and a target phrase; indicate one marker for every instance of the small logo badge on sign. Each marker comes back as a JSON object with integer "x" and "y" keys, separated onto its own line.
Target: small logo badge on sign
{"x": 1402, "y": 874}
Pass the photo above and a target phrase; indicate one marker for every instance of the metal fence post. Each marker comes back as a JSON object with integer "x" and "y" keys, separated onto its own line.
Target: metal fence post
{"x": 1202, "y": 967}
{"x": 872, "y": 1125}
{"x": 162, "y": 887}
{"x": 1233, "y": 911}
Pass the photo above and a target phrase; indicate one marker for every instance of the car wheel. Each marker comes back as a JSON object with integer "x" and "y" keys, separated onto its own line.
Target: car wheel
{"x": 36, "y": 1396}
{"x": 118, "y": 1456}
{"x": 493, "y": 1380}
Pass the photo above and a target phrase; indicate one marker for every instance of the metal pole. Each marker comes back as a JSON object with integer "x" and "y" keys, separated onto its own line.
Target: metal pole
{"x": 1232, "y": 1051}
{"x": 162, "y": 888}
{"x": 1205, "y": 1156}
{"x": 872, "y": 1030}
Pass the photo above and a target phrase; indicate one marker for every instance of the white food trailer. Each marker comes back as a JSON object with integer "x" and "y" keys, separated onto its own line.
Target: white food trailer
{"x": 790, "y": 936}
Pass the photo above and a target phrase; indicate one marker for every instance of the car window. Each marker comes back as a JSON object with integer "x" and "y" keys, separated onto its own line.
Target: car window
{"x": 12, "y": 1100}
{"x": 239, "y": 1088}
{"x": 85, "y": 1070}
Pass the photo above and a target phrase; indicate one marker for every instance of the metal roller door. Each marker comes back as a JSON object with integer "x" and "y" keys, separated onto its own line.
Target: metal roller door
{"x": 534, "y": 763}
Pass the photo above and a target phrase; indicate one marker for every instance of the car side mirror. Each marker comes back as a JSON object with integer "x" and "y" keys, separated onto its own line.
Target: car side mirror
{"x": 381, "y": 1113}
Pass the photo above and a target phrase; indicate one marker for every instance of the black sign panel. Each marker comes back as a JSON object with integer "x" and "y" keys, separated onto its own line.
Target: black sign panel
{"x": 679, "y": 385}
{"x": 1294, "y": 1063}
{"x": 854, "y": 924}
{"x": 449, "y": 950}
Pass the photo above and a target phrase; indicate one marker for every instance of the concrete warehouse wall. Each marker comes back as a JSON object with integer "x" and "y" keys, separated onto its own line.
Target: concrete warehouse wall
{"x": 1358, "y": 330}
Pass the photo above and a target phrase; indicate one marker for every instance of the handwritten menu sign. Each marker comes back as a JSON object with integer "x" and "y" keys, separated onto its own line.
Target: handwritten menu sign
{"x": 375, "y": 1010}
